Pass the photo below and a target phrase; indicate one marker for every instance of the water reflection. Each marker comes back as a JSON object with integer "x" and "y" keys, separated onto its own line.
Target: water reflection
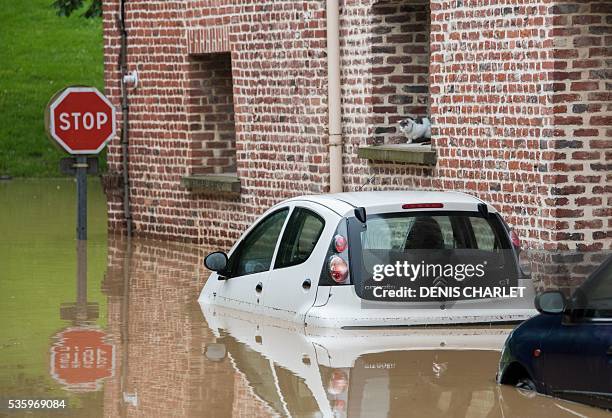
{"x": 178, "y": 358}
{"x": 418, "y": 372}
{"x": 160, "y": 334}
{"x": 152, "y": 351}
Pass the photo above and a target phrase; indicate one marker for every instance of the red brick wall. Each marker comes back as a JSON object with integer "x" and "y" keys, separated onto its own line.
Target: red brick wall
{"x": 581, "y": 152}
{"x": 279, "y": 103}
{"x": 502, "y": 128}
{"x": 360, "y": 120}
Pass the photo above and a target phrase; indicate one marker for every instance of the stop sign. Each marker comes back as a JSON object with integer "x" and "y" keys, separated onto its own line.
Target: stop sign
{"x": 81, "y": 358}
{"x": 81, "y": 120}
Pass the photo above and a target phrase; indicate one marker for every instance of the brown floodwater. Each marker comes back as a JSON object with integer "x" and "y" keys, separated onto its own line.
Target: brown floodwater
{"x": 130, "y": 339}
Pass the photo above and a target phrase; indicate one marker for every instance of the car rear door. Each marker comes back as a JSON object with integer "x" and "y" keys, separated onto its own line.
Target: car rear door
{"x": 300, "y": 257}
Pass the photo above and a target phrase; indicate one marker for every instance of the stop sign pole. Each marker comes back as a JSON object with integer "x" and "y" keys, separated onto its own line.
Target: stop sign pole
{"x": 81, "y": 121}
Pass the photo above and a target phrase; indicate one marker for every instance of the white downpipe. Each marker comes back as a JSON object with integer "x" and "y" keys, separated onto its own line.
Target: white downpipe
{"x": 333, "y": 96}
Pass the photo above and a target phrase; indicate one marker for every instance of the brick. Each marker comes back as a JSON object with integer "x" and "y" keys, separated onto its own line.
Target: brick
{"x": 241, "y": 87}
{"x": 584, "y": 86}
{"x": 561, "y": 9}
{"x": 601, "y": 120}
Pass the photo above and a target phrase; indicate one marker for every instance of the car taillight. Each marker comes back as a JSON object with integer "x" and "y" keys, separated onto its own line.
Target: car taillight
{"x": 338, "y": 269}
{"x": 516, "y": 241}
{"x": 335, "y": 270}
{"x": 423, "y": 206}
{"x": 339, "y": 405}
{"x": 337, "y": 383}
{"x": 340, "y": 243}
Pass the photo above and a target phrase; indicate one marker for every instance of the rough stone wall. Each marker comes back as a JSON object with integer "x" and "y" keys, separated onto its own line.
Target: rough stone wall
{"x": 505, "y": 125}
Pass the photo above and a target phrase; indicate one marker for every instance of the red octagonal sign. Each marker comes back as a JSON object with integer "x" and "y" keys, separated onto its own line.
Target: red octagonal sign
{"x": 81, "y": 120}
{"x": 82, "y": 358}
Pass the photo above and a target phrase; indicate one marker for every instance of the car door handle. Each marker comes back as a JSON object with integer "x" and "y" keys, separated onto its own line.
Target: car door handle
{"x": 259, "y": 287}
{"x": 306, "y": 284}
{"x": 609, "y": 352}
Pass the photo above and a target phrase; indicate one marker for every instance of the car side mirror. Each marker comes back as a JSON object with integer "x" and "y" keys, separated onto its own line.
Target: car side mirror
{"x": 216, "y": 261}
{"x": 552, "y": 302}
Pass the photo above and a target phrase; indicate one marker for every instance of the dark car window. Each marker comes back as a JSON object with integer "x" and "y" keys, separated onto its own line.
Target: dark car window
{"x": 594, "y": 298}
{"x": 432, "y": 231}
{"x": 255, "y": 252}
{"x": 432, "y": 238}
{"x": 300, "y": 237}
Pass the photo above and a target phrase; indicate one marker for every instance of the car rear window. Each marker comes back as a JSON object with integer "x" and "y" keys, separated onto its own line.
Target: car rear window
{"x": 433, "y": 239}
{"x": 433, "y": 231}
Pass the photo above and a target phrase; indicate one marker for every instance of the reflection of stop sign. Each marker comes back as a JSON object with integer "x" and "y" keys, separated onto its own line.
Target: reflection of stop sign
{"x": 81, "y": 120}
{"x": 81, "y": 358}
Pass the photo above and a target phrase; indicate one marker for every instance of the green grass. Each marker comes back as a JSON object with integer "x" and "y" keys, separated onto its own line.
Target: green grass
{"x": 40, "y": 54}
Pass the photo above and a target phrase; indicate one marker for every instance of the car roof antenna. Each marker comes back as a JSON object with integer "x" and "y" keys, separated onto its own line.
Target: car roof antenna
{"x": 368, "y": 181}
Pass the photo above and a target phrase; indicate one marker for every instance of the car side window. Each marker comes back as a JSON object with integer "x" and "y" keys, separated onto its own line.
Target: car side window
{"x": 256, "y": 250}
{"x": 594, "y": 298}
{"x": 300, "y": 237}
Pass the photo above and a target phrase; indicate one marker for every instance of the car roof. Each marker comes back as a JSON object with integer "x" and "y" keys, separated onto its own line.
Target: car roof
{"x": 392, "y": 201}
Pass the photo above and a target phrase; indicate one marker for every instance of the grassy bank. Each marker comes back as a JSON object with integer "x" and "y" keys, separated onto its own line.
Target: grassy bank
{"x": 40, "y": 54}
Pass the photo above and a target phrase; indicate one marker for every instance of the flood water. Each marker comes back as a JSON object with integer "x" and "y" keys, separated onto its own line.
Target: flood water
{"x": 130, "y": 339}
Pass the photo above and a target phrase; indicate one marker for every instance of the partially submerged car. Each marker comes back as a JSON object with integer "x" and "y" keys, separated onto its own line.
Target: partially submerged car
{"x": 566, "y": 351}
{"x": 314, "y": 260}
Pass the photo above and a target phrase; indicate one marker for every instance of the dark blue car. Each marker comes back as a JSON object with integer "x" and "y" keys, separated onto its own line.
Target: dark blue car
{"x": 566, "y": 351}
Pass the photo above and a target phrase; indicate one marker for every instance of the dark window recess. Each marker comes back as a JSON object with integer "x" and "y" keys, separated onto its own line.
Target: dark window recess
{"x": 400, "y": 57}
{"x": 210, "y": 114}
{"x": 300, "y": 238}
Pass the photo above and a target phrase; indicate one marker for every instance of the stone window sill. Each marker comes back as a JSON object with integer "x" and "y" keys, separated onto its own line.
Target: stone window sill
{"x": 227, "y": 185}
{"x": 400, "y": 153}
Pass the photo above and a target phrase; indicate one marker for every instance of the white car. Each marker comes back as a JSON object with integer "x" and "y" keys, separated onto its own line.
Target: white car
{"x": 313, "y": 260}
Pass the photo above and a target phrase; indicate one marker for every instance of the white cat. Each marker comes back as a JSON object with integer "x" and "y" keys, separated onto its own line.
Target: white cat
{"x": 416, "y": 130}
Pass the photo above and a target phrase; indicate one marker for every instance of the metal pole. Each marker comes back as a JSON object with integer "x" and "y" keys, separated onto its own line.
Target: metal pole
{"x": 81, "y": 174}
{"x": 81, "y": 301}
